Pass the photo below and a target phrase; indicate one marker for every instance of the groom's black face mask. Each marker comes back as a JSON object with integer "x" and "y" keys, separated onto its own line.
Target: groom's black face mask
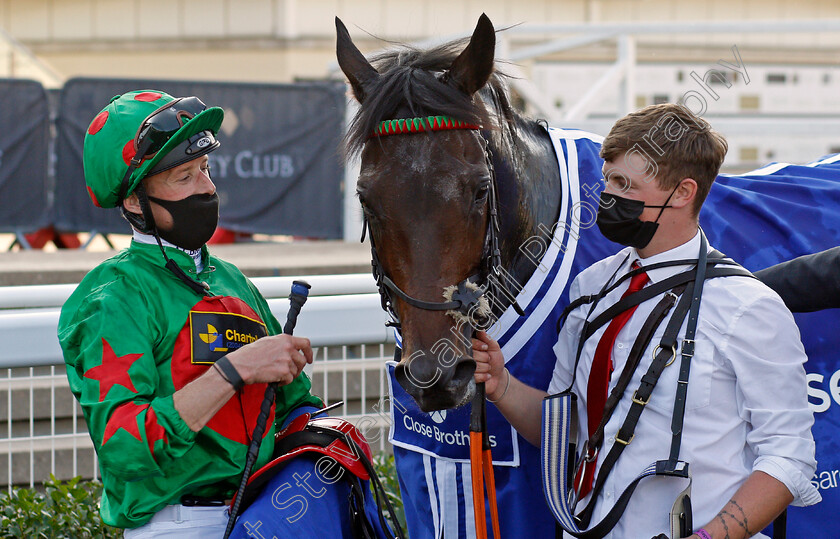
{"x": 618, "y": 220}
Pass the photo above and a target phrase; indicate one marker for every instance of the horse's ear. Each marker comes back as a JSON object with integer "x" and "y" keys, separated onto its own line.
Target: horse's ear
{"x": 472, "y": 68}
{"x": 353, "y": 63}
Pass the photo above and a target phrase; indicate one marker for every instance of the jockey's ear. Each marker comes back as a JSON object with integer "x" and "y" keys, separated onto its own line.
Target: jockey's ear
{"x": 472, "y": 68}
{"x": 355, "y": 66}
{"x": 132, "y": 203}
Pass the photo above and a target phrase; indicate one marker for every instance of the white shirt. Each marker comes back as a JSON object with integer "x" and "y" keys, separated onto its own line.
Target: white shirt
{"x": 746, "y": 407}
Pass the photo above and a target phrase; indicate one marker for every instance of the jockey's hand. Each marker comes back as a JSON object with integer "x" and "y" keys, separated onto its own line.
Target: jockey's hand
{"x": 275, "y": 358}
{"x": 489, "y": 364}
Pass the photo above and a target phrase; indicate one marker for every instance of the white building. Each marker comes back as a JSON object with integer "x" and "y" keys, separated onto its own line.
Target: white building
{"x": 784, "y": 107}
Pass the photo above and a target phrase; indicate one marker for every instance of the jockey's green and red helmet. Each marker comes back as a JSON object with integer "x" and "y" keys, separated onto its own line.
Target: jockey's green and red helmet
{"x": 141, "y": 133}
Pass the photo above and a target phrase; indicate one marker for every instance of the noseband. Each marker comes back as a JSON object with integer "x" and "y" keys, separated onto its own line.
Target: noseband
{"x": 464, "y": 298}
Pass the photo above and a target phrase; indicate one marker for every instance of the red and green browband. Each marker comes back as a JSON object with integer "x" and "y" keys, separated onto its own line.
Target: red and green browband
{"x": 418, "y": 125}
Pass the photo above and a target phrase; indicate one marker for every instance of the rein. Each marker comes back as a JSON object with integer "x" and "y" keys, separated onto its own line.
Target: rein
{"x": 464, "y": 300}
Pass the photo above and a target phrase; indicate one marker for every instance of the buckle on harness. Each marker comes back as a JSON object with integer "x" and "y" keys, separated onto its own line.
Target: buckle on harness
{"x": 688, "y": 347}
{"x": 637, "y": 400}
{"x": 623, "y": 442}
{"x": 673, "y": 353}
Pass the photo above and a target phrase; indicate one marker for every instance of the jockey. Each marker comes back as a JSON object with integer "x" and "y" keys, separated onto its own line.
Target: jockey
{"x": 168, "y": 348}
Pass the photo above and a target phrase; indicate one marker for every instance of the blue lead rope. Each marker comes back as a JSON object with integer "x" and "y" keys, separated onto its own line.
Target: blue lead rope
{"x": 557, "y": 417}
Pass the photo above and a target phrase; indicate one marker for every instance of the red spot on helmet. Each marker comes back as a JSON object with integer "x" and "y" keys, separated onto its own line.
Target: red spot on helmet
{"x": 98, "y": 122}
{"x": 128, "y": 152}
{"x": 93, "y": 197}
{"x": 147, "y": 96}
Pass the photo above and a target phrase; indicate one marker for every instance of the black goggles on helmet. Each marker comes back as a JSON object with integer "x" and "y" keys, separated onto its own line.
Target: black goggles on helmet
{"x": 157, "y": 129}
{"x": 195, "y": 146}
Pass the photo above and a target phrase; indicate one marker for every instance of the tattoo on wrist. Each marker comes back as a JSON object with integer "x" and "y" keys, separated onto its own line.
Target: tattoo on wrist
{"x": 737, "y": 521}
{"x": 746, "y": 524}
{"x": 726, "y": 513}
{"x": 723, "y": 523}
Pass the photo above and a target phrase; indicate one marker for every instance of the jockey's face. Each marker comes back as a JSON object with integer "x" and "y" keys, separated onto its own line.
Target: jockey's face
{"x": 190, "y": 178}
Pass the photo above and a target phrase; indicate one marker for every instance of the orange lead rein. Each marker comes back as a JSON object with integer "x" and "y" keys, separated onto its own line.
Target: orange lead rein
{"x": 477, "y": 469}
{"x": 491, "y": 493}
{"x": 481, "y": 468}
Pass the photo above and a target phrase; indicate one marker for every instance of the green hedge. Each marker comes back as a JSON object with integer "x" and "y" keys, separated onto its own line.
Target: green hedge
{"x": 64, "y": 509}
{"x": 387, "y": 472}
{"x": 71, "y": 508}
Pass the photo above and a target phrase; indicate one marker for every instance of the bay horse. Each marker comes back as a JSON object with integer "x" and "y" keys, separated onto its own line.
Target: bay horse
{"x": 428, "y": 198}
{"x": 463, "y": 206}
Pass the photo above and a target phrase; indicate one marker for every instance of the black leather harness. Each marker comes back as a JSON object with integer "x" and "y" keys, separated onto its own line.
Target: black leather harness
{"x": 706, "y": 266}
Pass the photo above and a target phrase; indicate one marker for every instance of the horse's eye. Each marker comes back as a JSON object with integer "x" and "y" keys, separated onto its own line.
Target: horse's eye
{"x": 481, "y": 194}
{"x": 362, "y": 201}
{"x": 367, "y": 213}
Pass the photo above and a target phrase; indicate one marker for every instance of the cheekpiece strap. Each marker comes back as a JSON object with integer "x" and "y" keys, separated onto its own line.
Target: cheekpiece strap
{"x": 419, "y": 125}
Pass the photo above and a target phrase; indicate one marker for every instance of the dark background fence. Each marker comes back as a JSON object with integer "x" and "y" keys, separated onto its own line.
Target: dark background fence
{"x": 25, "y": 189}
{"x": 278, "y": 171}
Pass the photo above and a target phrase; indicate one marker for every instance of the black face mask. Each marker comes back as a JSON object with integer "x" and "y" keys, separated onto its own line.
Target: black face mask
{"x": 194, "y": 220}
{"x": 618, "y": 220}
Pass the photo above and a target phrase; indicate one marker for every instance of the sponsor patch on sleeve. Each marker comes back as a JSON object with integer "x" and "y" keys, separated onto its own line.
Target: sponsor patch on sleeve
{"x": 215, "y": 334}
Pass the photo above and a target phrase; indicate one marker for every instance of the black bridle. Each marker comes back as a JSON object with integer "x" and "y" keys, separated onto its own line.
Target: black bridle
{"x": 489, "y": 279}
{"x": 464, "y": 300}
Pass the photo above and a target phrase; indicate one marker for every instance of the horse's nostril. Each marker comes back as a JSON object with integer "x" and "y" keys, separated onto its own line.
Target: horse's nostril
{"x": 434, "y": 387}
{"x": 464, "y": 371}
{"x": 417, "y": 376}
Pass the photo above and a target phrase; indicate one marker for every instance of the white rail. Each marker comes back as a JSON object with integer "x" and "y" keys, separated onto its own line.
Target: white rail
{"x": 342, "y": 309}
{"x": 45, "y": 432}
{"x": 54, "y": 295}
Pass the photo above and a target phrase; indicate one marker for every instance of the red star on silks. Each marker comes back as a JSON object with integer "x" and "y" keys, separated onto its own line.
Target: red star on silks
{"x": 124, "y": 417}
{"x": 112, "y": 371}
{"x": 154, "y": 431}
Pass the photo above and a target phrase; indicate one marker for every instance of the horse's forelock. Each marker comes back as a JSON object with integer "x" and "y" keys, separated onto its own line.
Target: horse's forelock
{"x": 410, "y": 81}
